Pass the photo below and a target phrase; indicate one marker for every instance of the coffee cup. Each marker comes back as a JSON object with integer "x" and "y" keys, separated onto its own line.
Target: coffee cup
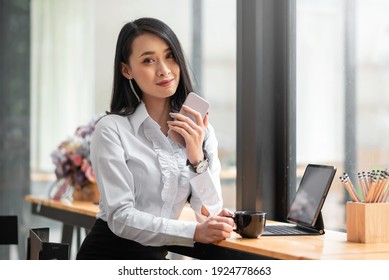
{"x": 249, "y": 224}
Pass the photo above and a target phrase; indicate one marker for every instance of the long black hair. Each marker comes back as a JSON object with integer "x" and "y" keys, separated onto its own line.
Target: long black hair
{"x": 123, "y": 100}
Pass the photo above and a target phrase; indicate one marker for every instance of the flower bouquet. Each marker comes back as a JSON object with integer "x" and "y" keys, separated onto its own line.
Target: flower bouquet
{"x": 73, "y": 167}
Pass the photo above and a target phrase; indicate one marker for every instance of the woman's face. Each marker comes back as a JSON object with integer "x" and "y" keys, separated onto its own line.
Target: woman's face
{"x": 153, "y": 67}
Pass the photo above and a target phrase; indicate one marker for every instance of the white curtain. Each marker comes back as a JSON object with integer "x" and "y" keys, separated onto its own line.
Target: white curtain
{"x": 62, "y": 73}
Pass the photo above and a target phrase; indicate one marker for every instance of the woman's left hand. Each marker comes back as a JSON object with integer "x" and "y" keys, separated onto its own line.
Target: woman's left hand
{"x": 192, "y": 132}
{"x": 226, "y": 213}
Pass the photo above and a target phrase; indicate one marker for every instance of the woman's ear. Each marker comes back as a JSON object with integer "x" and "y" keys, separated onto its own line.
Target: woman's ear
{"x": 126, "y": 71}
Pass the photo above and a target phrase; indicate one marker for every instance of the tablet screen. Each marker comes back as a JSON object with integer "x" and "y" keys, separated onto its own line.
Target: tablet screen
{"x": 311, "y": 194}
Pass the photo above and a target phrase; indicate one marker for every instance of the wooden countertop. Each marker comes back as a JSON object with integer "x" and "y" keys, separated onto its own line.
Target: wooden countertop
{"x": 332, "y": 245}
{"x": 79, "y": 207}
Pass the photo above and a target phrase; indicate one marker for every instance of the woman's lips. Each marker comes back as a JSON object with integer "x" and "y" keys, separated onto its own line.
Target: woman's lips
{"x": 165, "y": 82}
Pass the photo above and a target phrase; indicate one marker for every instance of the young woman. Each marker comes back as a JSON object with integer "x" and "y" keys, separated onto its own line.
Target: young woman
{"x": 144, "y": 177}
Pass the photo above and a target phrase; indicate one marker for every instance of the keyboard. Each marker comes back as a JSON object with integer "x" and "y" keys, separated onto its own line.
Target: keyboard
{"x": 287, "y": 230}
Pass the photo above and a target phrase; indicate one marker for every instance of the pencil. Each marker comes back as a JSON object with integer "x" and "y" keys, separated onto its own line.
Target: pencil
{"x": 349, "y": 190}
{"x": 365, "y": 181}
{"x": 362, "y": 186}
{"x": 385, "y": 188}
{"x": 351, "y": 185}
{"x": 383, "y": 193}
{"x": 380, "y": 187}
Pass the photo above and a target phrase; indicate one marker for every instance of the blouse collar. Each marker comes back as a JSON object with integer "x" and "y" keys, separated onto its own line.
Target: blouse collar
{"x": 139, "y": 116}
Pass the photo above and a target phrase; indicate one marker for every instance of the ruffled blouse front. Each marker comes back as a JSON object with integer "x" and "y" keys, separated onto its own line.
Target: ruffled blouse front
{"x": 144, "y": 181}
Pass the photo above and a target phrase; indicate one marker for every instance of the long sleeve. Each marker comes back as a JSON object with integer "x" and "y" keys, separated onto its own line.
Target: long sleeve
{"x": 206, "y": 187}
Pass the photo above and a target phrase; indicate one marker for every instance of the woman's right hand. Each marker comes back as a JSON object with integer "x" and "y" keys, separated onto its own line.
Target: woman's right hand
{"x": 214, "y": 229}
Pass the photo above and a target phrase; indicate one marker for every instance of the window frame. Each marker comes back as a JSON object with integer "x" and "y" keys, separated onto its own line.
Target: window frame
{"x": 266, "y": 106}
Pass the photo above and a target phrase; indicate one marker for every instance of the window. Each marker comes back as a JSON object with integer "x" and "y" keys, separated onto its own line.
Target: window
{"x": 342, "y": 91}
{"x": 73, "y": 45}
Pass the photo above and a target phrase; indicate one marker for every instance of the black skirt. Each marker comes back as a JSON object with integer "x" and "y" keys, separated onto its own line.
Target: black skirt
{"x": 102, "y": 244}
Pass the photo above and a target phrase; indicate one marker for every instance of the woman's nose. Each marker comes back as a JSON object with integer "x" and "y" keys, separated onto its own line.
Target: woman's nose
{"x": 163, "y": 69}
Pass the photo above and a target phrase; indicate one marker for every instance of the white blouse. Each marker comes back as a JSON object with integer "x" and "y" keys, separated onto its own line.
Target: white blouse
{"x": 144, "y": 181}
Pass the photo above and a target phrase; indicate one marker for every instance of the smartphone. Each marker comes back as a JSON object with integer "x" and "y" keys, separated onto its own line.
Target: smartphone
{"x": 195, "y": 102}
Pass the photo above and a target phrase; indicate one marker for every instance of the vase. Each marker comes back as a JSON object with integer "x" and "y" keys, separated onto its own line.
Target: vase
{"x": 60, "y": 189}
{"x": 88, "y": 192}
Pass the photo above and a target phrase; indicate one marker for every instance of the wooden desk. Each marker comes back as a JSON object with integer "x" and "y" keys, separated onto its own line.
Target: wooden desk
{"x": 77, "y": 215}
{"x": 332, "y": 245}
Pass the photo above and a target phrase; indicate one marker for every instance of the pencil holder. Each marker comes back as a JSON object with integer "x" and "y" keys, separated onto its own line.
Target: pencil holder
{"x": 367, "y": 222}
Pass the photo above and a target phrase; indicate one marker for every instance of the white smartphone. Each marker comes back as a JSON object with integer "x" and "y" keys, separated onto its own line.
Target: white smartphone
{"x": 198, "y": 104}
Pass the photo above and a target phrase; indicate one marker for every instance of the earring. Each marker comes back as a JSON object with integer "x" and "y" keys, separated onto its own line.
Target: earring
{"x": 133, "y": 90}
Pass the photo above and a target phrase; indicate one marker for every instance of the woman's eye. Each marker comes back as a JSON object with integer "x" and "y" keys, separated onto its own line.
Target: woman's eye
{"x": 170, "y": 56}
{"x": 148, "y": 60}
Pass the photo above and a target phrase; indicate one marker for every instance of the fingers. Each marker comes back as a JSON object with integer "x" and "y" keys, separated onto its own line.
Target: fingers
{"x": 214, "y": 229}
{"x": 195, "y": 114}
{"x": 223, "y": 213}
{"x": 229, "y": 214}
{"x": 205, "y": 121}
{"x": 192, "y": 117}
{"x": 221, "y": 225}
{"x": 225, "y": 220}
{"x": 226, "y": 213}
{"x": 192, "y": 133}
{"x": 187, "y": 123}
{"x": 184, "y": 128}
